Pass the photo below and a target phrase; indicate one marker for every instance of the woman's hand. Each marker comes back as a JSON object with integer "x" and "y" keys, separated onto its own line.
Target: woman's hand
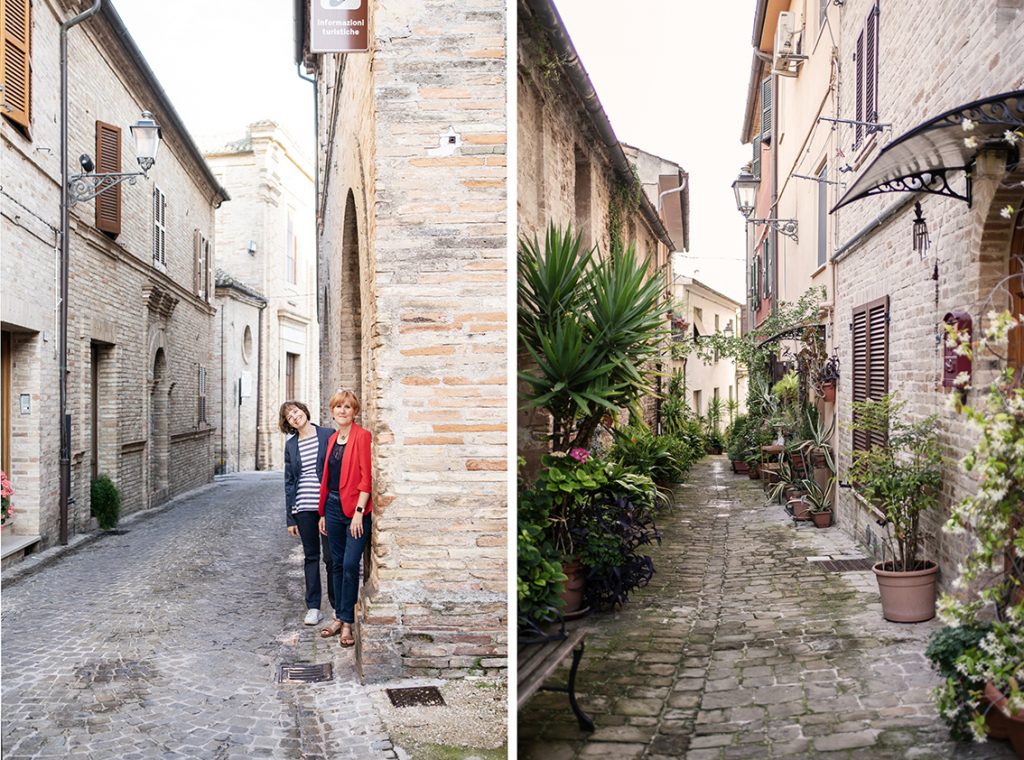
{"x": 356, "y": 528}
{"x": 293, "y": 530}
{"x": 323, "y": 526}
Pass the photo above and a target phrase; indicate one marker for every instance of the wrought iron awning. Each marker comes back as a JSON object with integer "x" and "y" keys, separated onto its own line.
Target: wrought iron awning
{"x": 927, "y": 158}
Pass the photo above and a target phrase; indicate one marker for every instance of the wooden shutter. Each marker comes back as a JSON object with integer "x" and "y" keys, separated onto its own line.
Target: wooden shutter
{"x": 197, "y": 250}
{"x": 766, "y": 110}
{"x": 858, "y": 57}
{"x": 870, "y": 362}
{"x": 108, "y": 161}
{"x": 1016, "y": 286}
{"x": 16, "y": 28}
{"x": 159, "y": 227}
{"x": 208, "y": 258}
{"x": 755, "y": 164}
{"x": 871, "y": 66}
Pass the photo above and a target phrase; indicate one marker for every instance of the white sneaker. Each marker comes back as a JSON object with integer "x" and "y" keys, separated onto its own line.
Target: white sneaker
{"x": 312, "y": 617}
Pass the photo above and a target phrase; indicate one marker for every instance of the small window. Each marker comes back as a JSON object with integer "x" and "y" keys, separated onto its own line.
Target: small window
{"x": 201, "y": 412}
{"x": 247, "y": 345}
{"x": 696, "y": 402}
{"x": 291, "y": 371}
{"x": 823, "y": 215}
{"x": 159, "y": 228}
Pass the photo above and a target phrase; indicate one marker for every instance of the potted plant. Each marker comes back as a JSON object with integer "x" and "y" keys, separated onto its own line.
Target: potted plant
{"x": 828, "y": 379}
{"x": 737, "y": 443}
{"x": 105, "y": 502}
{"x": 817, "y": 448}
{"x": 900, "y": 475}
{"x": 819, "y": 501}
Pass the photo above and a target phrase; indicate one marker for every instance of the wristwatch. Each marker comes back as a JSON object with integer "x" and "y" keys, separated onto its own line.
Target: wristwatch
{"x": 359, "y": 510}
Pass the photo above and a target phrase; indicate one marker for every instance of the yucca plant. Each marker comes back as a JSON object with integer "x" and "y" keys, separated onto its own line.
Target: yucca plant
{"x": 591, "y": 327}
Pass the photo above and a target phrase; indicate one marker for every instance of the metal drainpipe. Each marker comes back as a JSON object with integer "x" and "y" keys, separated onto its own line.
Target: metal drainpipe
{"x": 63, "y": 416}
{"x": 259, "y": 389}
{"x": 774, "y": 229}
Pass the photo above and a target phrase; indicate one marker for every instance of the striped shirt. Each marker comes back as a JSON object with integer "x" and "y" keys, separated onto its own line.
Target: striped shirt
{"x": 307, "y": 494}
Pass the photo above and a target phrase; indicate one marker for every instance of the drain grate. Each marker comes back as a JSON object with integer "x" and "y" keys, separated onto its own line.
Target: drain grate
{"x": 303, "y": 672}
{"x": 845, "y": 565}
{"x": 417, "y": 696}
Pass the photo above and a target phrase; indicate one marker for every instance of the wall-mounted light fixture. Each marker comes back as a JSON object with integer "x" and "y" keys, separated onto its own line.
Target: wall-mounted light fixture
{"x": 921, "y": 240}
{"x": 89, "y": 184}
{"x": 745, "y": 188}
{"x": 252, "y": 248}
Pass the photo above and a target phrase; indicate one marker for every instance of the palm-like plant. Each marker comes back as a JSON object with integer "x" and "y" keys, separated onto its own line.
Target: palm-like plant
{"x": 817, "y": 498}
{"x": 590, "y": 326}
{"x": 820, "y": 440}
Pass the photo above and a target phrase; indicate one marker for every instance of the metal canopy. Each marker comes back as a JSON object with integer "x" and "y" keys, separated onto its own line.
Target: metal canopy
{"x": 927, "y": 157}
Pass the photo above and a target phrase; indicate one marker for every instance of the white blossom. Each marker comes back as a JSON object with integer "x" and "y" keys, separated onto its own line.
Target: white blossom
{"x": 971, "y": 142}
{"x": 968, "y": 125}
{"x": 1011, "y": 137}
{"x": 962, "y": 380}
{"x": 1006, "y": 211}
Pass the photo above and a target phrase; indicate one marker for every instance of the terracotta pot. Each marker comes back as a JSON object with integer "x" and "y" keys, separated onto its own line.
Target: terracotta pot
{"x": 821, "y": 519}
{"x": 828, "y": 393}
{"x": 573, "y": 593}
{"x": 799, "y": 509}
{"x": 740, "y": 467}
{"x": 1003, "y": 726}
{"x": 754, "y": 472}
{"x": 907, "y": 597}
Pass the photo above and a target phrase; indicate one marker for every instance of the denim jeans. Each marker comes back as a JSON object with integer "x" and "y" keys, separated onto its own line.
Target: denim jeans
{"x": 314, "y": 546}
{"x": 346, "y": 552}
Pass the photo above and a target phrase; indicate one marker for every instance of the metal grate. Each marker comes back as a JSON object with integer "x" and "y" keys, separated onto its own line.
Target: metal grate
{"x": 417, "y": 696}
{"x": 845, "y": 565}
{"x": 303, "y": 672}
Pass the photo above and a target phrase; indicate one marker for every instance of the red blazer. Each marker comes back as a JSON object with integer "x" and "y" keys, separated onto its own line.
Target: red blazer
{"x": 355, "y": 471}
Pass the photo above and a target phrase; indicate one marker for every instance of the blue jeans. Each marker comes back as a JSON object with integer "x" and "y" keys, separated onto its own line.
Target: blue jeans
{"x": 346, "y": 552}
{"x": 313, "y": 547}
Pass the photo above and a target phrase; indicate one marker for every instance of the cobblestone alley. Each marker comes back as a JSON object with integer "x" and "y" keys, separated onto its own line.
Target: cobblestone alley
{"x": 742, "y": 648}
{"x": 164, "y": 642}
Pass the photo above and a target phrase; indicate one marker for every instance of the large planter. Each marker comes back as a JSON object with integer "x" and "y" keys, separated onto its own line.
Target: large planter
{"x": 1003, "y": 726}
{"x": 798, "y": 508}
{"x": 754, "y": 472}
{"x": 573, "y": 593}
{"x": 821, "y": 519}
{"x": 907, "y": 597}
{"x": 740, "y": 467}
{"x": 828, "y": 393}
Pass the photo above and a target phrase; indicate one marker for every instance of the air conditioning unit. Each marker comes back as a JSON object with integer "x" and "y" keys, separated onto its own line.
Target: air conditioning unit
{"x": 786, "y": 57}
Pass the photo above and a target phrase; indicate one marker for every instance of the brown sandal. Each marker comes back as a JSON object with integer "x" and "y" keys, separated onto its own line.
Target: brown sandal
{"x": 331, "y": 629}
{"x": 346, "y": 639}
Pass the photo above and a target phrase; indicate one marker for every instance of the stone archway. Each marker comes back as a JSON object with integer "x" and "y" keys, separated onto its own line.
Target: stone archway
{"x": 159, "y": 443}
{"x": 350, "y": 325}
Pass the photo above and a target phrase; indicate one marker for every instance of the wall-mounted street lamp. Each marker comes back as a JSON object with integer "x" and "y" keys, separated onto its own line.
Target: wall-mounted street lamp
{"x": 89, "y": 184}
{"x": 728, "y": 329}
{"x": 745, "y": 188}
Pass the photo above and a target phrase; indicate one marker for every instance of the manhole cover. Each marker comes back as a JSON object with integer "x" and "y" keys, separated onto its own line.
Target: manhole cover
{"x": 301, "y": 672}
{"x": 845, "y": 565}
{"x": 417, "y": 696}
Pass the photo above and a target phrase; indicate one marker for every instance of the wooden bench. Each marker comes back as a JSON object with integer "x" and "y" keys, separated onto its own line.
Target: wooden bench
{"x": 539, "y": 659}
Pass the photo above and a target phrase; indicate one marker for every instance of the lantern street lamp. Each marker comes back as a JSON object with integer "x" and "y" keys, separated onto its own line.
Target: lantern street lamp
{"x": 89, "y": 184}
{"x": 745, "y": 187}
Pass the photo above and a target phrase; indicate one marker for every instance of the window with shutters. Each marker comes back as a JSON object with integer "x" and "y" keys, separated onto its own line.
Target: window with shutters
{"x": 769, "y": 266}
{"x": 108, "y": 161}
{"x": 1016, "y": 287}
{"x": 866, "y": 75}
{"x": 201, "y": 396}
{"x": 755, "y": 164}
{"x": 823, "y": 215}
{"x": 291, "y": 373}
{"x": 870, "y": 371}
{"x": 766, "y": 110}
{"x": 203, "y": 266}
{"x": 16, "y": 72}
{"x": 159, "y": 229}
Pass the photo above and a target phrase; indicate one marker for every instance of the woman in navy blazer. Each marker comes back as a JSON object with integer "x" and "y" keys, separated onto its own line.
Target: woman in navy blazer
{"x": 301, "y": 494}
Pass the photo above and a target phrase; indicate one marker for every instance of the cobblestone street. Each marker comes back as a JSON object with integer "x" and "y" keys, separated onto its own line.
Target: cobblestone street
{"x": 742, "y": 648}
{"x": 164, "y": 642}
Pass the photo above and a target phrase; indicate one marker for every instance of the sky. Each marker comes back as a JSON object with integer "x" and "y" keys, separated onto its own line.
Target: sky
{"x": 672, "y": 77}
{"x": 224, "y": 64}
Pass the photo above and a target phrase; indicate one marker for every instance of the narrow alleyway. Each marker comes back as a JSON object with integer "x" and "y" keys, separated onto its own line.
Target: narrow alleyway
{"x": 164, "y": 642}
{"x": 742, "y": 648}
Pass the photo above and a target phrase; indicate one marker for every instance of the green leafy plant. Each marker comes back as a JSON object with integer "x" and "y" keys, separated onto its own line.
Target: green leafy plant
{"x": 588, "y": 328}
{"x": 105, "y": 502}
{"x": 816, "y": 498}
{"x": 819, "y": 441}
{"x": 900, "y": 473}
{"x": 639, "y": 450}
{"x": 959, "y": 691}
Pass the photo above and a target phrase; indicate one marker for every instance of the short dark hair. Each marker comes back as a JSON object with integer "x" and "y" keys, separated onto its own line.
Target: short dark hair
{"x": 282, "y": 421}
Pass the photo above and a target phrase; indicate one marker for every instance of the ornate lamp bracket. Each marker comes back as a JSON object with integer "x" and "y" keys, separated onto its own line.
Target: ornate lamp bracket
{"x": 85, "y": 187}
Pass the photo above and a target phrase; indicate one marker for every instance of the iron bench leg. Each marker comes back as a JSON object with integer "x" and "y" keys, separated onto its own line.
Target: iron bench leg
{"x": 586, "y": 724}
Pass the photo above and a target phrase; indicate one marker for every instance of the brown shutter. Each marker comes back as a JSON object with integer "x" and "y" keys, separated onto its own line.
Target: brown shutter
{"x": 878, "y": 357}
{"x": 16, "y": 28}
{"x": 108, "y": 161}
{"x": 859, "y": 373}
{"x": 870, "y": 67}
{"x": 209, "y": 270}
{"x": 859, "y": 70}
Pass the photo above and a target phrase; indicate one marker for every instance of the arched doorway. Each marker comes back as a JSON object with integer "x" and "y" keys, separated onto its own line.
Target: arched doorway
{"x": 350, "y": 324}
{"x": 158, "y": 438}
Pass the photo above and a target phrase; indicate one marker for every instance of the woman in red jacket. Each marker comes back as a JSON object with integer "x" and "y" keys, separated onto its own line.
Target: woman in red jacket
{"x": 345, "y": 508}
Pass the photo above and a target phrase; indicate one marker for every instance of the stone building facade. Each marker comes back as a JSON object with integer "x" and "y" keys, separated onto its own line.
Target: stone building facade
{"x": 572, "y": 170}
{"x": 856, "y": 68}
{"x": 140, "y": 326}
{"x": 411, "y": 226}
{"x": 266, "y": 243}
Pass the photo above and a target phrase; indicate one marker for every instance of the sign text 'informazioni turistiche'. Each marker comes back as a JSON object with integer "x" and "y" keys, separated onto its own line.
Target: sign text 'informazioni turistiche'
{"x": 338, "y": 26}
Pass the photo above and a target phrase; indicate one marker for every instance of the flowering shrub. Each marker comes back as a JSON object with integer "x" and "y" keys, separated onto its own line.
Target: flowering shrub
{"x": 6, "y": 492}
{"x": 991, "y": 580}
